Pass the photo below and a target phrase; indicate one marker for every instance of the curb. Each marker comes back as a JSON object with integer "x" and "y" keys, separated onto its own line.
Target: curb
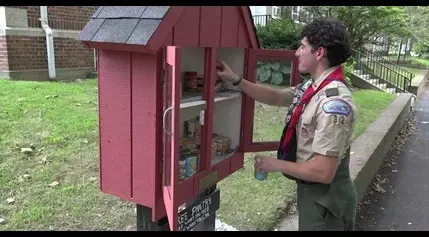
{"x": 372, "y": 146}
{"x": 368, "y": 150}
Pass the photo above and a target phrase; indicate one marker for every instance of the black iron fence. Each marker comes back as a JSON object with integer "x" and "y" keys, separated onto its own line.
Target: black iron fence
{"x": 382, "y": 72}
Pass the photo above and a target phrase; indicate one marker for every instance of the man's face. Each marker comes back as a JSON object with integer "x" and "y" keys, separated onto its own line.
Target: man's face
{"x": 308, "y": 58}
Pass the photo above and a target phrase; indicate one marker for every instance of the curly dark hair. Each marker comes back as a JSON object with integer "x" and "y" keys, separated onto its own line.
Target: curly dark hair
{"x": 331, "y": 35}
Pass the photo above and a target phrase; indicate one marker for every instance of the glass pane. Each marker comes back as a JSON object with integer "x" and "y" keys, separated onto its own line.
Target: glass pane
{"x": 269, "y": 120}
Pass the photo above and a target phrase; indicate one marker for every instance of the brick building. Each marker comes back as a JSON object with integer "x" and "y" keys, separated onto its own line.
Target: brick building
{"x": 27, "y": 53}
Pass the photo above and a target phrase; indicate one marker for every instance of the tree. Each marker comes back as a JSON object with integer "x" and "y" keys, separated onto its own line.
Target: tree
{"x": 418, "y": 20}
{"x": 366, "y": 23}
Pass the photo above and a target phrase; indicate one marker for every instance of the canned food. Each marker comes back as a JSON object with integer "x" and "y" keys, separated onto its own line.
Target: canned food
{"x": 190, "y": 166}
{"x": 261, "y": 176}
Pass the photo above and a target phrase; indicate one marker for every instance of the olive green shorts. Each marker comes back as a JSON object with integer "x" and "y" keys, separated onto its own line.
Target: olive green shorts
{"x": 321, "y": 207}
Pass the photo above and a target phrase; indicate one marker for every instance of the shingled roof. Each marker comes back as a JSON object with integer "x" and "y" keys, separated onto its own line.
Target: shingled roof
{"x": 123, "y": 24}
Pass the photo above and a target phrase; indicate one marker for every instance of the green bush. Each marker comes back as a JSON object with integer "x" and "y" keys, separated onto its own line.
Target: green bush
{"x": 283, "y": 34}
{"x": 277, "y": 34}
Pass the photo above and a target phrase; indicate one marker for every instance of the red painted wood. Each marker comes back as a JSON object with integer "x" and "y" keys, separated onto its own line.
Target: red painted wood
{"x": 144, "y": 123}
{"x": 253, "y": 56}
{"x": 169, "y": 39}
{"x": 243, "y": 39}
{"x": 187, "y": 28}
{"x": 237, "y": 162}
{"x": 115, "y": 122}
{"x": 296, "y": 75}
{"x": 243, "y": 103}
{"x": 209, "y": 94}
{"x": 229, "y": 26}
{"x": 164, "y": 29}
{"x": 121, "y": 47}
{"x": 158, "y": 209}
{"x": 210, "y": 26}
{"x": 171, "y": 161}
{"x": 185, "y": 191}
{"x": 223, "y": 168}
{"x": 247, "y": 17}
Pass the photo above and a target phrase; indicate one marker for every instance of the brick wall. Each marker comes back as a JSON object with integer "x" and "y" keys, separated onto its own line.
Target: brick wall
{"x": 29, "y": 53}
{"x": 4, "y": 64}
{"x": 61, "y": 17}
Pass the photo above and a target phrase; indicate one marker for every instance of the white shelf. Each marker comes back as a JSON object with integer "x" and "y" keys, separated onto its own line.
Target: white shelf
{"x": 218, "y": 159}
{"x": 191, "y": 99}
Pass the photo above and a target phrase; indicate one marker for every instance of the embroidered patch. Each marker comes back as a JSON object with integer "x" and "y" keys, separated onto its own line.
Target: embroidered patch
{"x": 320, "y": 96}
{"x": 339, "y": 119}
{"x": 304, "y": 132}
{"x": 331, "y": 92}
{"x": 336, "y": 107}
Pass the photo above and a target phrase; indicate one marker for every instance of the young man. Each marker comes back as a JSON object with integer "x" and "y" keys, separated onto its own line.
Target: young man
{"x": 315, "y": 146}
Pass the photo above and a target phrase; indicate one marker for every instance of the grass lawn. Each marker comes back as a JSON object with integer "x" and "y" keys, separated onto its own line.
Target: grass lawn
{"x": 49, "y": 163}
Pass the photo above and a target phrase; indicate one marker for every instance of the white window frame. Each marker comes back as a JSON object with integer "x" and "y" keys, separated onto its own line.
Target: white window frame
{"x": 295, "y": 13}
{"x": 276, "y": 11}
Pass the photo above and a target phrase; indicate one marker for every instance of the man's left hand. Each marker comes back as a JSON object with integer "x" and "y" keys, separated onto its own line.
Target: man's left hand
{"x": 266, "y": 164}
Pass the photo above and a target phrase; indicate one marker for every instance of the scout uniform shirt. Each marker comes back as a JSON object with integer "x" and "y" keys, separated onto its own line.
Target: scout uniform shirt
{"x": 322, "y": 128}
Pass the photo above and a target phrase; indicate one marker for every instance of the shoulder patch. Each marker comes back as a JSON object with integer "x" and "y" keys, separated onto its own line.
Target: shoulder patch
{"x": 336, "y": 107}
{"x": 331, "y": 92}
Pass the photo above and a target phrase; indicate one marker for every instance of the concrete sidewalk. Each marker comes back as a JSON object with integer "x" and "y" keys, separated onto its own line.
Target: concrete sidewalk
{"x": 399, "y": 197}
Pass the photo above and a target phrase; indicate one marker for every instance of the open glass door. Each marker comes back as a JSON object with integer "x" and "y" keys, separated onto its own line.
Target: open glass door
{"x": 171, "y": 120}
{"x": 263, "y": 124}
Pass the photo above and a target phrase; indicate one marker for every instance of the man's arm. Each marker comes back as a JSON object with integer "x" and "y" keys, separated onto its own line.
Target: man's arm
{"x": 334, "y": 122}
{"x": 267, "y": 95}
{"x": 320, "y": 169}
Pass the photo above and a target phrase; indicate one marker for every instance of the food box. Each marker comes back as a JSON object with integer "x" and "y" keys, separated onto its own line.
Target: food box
{"x": 223, "y": 143}
{"x": 188, "y": 145}
{"x": 193, "y": 129}
{"x": 182, "y": 170}
{"x": 191, "y": 84}
{"x": 214, "y": 149}
{"x": 191, "y": 165}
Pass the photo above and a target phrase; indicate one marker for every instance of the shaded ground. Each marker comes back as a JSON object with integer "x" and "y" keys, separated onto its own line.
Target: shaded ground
{"x": 399, "y": 196}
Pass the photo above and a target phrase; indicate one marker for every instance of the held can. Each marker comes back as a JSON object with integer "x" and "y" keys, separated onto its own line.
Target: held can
{"x": 259, "y": 175}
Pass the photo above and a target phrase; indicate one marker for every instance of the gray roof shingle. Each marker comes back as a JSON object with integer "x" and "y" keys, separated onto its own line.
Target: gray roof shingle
{"x": 123, "y": 24}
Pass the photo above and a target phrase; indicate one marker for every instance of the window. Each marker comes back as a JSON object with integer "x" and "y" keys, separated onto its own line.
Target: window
{"x": 276, "y": 11}
{"x": 295, "y": 13}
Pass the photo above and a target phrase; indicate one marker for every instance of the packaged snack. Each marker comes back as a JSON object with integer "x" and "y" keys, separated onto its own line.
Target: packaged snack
{"x": 223, "y": 143}
{"x": 191, "y": 81}
{"x": 214, "y": 149}
{"x": 188, "y": 145}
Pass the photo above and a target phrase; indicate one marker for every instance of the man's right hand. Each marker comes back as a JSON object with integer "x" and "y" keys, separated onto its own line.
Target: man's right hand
{"x": 224, "y": 72}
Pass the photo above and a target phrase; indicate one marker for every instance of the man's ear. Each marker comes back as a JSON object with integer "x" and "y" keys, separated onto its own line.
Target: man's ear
{"x": 321, "y": 53}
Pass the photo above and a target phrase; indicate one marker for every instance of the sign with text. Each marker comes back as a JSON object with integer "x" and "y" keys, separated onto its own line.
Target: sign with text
{"x": 199, "y": 211}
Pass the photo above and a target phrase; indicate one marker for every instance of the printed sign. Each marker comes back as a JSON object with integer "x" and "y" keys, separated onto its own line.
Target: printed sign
{"x": 199, "y": 211}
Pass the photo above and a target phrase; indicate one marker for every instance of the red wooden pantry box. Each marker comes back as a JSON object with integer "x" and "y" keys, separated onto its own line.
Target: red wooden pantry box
{"x": 169, "y": 129}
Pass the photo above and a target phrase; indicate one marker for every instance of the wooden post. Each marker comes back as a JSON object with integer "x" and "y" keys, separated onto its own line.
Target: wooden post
{"x": 144, "y": 220}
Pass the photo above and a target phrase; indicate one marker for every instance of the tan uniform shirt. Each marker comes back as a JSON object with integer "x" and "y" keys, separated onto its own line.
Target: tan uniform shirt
{"x": 327, "y": 123}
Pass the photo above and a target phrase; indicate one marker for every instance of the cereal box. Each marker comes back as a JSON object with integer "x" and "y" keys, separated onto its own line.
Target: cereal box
{"x": 193, "y": 129}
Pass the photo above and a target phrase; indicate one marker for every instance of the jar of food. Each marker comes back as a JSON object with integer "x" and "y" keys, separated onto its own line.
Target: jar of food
{"x": 191, "y": 79}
